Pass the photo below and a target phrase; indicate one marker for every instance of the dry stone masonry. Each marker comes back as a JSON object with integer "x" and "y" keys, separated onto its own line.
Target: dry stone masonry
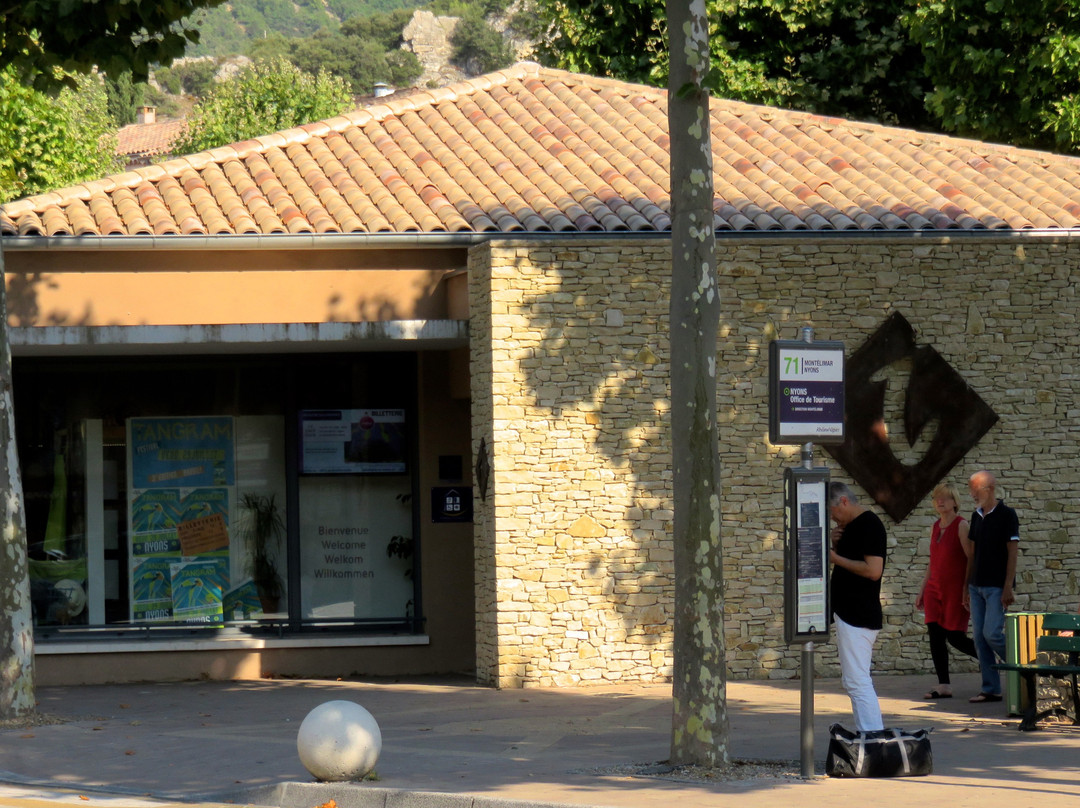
{"x": 574, "y": 556}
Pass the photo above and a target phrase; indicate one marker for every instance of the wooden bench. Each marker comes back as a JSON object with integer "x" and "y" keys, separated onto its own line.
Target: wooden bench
{"x": 1051, "y": 642}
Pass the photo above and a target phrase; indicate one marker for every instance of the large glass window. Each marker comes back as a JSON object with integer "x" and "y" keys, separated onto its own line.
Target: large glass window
{"x": 161, "y": 493}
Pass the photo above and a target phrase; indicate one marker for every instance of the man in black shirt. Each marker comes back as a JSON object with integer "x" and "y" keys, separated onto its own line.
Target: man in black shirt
{"x": 858, "y": 557}
{"x": 993, "y": 542}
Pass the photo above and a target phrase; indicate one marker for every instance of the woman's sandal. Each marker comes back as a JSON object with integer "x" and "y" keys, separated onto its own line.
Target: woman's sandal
{"x": 937, "y": 694}
{"x": 984, "y": 697}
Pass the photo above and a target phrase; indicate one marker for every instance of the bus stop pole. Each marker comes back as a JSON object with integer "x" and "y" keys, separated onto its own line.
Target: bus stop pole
{"x": 806, "y": 706}
{"x": 806, "y": 713}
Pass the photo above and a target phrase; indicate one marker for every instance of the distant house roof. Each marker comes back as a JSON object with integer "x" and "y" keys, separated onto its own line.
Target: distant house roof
{"x": 531, "y": 149}
{"x": 147, "y": 140}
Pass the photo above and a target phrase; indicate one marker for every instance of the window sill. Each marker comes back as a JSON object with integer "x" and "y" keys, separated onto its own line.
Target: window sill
{"x": 222, "y": 640}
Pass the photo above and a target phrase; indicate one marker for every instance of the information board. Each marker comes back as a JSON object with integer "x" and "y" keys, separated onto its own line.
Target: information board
{"x": 352, "y": 442}
{"x": 806, "y": 392}
{"x": 806, "y": 555}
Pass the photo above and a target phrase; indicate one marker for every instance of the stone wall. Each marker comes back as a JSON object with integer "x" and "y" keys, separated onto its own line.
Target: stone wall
{"x": 570, "y": 353}
{"x": 482, "y": 351}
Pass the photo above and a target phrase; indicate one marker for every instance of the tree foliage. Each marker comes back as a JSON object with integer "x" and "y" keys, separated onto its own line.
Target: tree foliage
{"x": 235, "y": 27}
{"x": 48, "y": 142}
{"x": 363, "y": 51}
{"x": 384, "y": 29}
{"x": 405, "y": 67}
{"x": 360, "y": 61}
{"x": 190, "y": 76}
{"x": 478, "y": 47}
{"x": 840, "y": 57}
{"x": 46, "y": 41}
{"x": 624, "y": 39}
{"x": 1004, "y": 70}
{"x": 124, "y": 98}
{"x": 260, "y": 99}
{"x": 463, "y": 8}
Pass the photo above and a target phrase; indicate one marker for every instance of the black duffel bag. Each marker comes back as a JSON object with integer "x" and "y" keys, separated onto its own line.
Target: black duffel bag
{"x": 882, "y": 753}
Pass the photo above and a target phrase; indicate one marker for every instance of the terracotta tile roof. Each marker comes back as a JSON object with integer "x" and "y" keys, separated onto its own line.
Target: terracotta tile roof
{"x": 147, "y": 139}
{"x": 533, "y": 149}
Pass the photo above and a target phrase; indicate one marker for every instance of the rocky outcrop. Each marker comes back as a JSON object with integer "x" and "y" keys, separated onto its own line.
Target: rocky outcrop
{"x": 428, "y": 37}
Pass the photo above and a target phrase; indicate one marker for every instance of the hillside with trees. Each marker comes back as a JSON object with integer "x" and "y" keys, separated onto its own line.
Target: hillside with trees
{"x": 276, "y": 65}
{"x": 371, "y": 47}
{"x": 239, "y": 26}
{"x": 233, "y": 27}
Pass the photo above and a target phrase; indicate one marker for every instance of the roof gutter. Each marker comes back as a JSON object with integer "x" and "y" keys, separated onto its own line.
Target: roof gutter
{"x": 382, "y": 241}
{"x": 277, "y": 241}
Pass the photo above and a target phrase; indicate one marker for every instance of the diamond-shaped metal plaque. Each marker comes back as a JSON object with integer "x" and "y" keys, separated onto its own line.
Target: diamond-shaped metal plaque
{"x": 482, "y": 469}
{"x": 934, "y": 391}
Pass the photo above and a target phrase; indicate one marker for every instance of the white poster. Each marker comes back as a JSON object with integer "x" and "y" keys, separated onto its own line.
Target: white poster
{"x": 812, "y": 568}
{"x": 356, "y": 547}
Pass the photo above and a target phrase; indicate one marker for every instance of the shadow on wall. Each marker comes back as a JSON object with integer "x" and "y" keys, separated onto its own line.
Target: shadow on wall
{"x": 422, "y": 297}
{"x": 586, "y": 341}
{"x": 586, "y": 347}
{"x": 23, "y": 309}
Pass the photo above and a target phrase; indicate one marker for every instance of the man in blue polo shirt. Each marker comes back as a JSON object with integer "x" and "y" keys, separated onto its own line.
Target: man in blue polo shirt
{"x": 992, "y": 542}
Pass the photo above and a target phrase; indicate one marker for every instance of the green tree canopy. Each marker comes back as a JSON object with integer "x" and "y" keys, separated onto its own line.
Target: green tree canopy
{"x": 262, "y": 98}
{"x": 46, "y": 41}
{"x": 462, "y": 8}
{"x": 125, "y": 97}
{"x": 1005, "y": 70}
{"x": 404, "y": 67}
{"x": 349, "y": 57}
{"x": 839, "y": 57}
{"x": 478, "y": 46}
{"x": 382, "y": 28}
{"x": 361, "y": 62}
{"x": 233, "y": 27}
{"x": 271, "y": 46}
{"x": 190, "y": 76}
{"x": 48, "y": 142}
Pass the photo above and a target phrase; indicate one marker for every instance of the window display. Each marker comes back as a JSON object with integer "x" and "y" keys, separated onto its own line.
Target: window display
{"x": 160, "y": 493}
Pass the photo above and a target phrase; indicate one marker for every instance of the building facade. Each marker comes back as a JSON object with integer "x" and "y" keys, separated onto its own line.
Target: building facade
{"x": 570, "y": 392}
{"x": 427, "y": 343}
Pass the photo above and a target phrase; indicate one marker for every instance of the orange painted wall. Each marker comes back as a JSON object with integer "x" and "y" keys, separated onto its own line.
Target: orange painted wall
{"x": 58, "y": 287}
{"x": 221, "y": 297}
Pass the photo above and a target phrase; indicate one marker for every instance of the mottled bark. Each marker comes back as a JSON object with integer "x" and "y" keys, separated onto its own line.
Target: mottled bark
{"x": 699, "y": 725}
{"x": 16, "y": 629}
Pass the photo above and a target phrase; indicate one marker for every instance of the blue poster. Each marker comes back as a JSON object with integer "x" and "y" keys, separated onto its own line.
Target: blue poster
{"x": 182, "y": 470}
{"x": 151, "y": 590}
{"x": 182, "y": 451}
{"x": 196, "y": 592}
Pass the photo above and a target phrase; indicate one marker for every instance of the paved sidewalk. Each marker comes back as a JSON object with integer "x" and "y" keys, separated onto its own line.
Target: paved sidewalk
{"x": 450, "y": 744}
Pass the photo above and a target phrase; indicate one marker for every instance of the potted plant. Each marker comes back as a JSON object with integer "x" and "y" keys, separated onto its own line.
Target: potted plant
{"x": 262, "y": 530}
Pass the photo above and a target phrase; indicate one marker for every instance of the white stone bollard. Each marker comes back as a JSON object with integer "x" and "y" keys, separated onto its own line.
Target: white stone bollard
{"x": 339, "y": 741}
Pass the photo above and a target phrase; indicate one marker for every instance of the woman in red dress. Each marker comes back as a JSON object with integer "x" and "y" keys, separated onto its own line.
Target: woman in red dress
{"x": 941, "y": 597}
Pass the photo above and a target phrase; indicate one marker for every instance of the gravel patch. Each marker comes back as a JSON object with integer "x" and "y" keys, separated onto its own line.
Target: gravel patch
{"x": 735, "y": 771}
{"x": 36, "y": 719}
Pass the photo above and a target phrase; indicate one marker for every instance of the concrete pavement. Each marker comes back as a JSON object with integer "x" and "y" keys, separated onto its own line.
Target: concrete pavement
{"x": 451, "y": 744}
